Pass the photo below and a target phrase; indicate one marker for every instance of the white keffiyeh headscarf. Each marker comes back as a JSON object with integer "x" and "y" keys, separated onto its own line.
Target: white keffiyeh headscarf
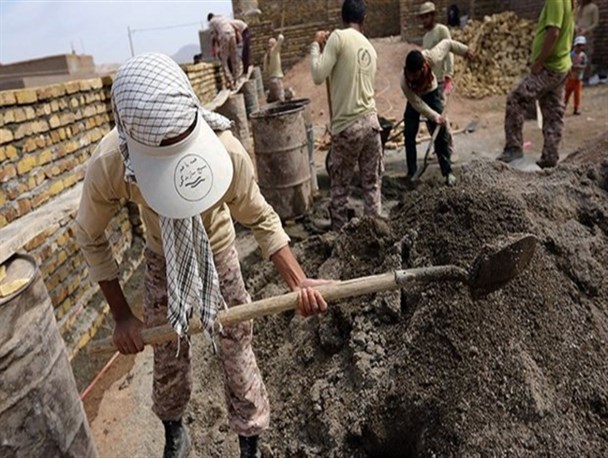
{"x": 152, "y": 100}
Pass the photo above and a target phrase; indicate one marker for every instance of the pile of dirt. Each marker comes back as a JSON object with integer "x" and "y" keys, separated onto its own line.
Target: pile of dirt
{"x": 429, "y": 371}
{"x": 502, "y": 43}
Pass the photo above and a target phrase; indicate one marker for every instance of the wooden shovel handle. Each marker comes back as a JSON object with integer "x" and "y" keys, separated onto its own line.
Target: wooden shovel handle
{"x": 271, "y": 305}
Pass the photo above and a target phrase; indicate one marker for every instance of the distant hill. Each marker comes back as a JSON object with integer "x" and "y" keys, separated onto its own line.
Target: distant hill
{"x": 186, "y": 53}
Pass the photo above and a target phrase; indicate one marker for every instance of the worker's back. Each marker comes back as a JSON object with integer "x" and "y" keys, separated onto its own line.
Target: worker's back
{"x": 352, "y": 77}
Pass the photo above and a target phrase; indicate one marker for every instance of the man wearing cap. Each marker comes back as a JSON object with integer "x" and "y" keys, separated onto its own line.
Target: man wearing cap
{"x": 545, "y": 83}
{"x": 443, "y": 70}
{"x": 349, "y": 61}
{"x": 190, "y": 176}
{"x": 224, "y": 33}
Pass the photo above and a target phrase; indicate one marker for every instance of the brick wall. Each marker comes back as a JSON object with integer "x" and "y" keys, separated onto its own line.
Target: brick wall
{"x": 302, "y": 19}
{"x": 46, "y": 136}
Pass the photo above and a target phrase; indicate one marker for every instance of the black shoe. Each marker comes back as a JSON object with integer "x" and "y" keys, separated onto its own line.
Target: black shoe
{"x": 177, "y": 442}
{"x": 546, "y": 163}
{"x": 249, "y": 446}
{"x": 509, "y": 155}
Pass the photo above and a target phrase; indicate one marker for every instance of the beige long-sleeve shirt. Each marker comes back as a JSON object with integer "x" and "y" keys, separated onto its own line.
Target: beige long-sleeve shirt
{"x": 433, "y": 56}
{"x": 105, "y": 187}
{"x": 272, "y": 60}
{"x": 349, "y": 61}
{"x": 587, "y": 18}
{"x": 431, "y": 39}
{"x": 221, "y": 26}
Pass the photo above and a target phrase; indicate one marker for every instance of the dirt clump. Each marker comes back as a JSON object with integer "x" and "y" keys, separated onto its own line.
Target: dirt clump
{"x": 429, "y": 371}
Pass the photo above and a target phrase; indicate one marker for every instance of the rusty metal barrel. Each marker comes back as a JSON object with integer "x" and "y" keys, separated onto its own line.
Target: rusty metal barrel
{"x": 310, "y": 136}
{"x": 250, "y": 93}
{"x": 40, "y": 410}
{"x": 281, "y": 153}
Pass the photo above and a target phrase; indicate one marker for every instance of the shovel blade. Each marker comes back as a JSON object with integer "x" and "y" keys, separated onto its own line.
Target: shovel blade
{"x": 499, "y": 263}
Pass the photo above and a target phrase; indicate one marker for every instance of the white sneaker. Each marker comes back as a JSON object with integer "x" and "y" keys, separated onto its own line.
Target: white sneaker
{"x": 450, "y": 180}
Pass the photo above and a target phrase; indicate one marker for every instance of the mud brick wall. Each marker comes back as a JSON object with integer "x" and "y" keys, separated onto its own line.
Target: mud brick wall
{"x": 46, "y": 134}
{"x": 301, "y": 20}
{"x": 207, "y": 79}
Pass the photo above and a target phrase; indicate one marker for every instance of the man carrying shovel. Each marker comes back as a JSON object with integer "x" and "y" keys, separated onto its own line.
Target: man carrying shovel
{"x": 348, "y": 61}
{"x": 190, "y": 176}
{"x": 420, "y": 87}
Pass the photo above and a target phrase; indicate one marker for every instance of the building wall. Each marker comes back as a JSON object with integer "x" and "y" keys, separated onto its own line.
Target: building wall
{"x": 46, "y": 136}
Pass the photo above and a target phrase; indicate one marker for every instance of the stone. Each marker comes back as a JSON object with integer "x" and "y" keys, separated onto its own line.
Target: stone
{"x": 26, "y": 96}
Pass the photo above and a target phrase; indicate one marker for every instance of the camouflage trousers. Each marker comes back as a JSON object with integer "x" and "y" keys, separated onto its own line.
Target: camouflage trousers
{"x": 359, "y": 144}
{"x": 548, "y": 88}
{"x": 276, "y": 92}
{"x": 228, "y": 52}
{"x": 246, "y": 397}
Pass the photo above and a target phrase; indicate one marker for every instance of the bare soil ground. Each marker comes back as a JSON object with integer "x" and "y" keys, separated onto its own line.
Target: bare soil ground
{"x": 429, "y": 371}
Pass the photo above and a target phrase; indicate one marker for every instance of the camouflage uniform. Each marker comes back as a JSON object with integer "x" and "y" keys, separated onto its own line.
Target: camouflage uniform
{"x": 358, "y": 143}
{"x": 548, "y": 88}
{"x": 228, "y": 51}
{"x": 246, "y": 397}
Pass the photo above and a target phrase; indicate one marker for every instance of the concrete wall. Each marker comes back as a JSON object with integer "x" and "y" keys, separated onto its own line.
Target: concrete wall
{"x": 46, "y": 136}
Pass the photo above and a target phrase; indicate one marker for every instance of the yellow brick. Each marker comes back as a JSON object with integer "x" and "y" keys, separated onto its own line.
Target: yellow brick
{"x": 74, "y": 102}
{"x": 54, "y": 106}
{"x": 72, "y": 86}
{"x": 25, "y": 165}
{"x": 5, "y": 136}
{"x": 2, "y": 198}
{"x": 56, "y": 188}
{"x": 8, "y": 151}
{"x": 9, "y": 116}
{"x": 95, "y": 83}
{"x": 45, "y": 157}
{"x": 7, "y": 98}
{"x": 85, "y": 85}
{"x": 25, "y": 96}
{"x": 3, "y": 221}
{"x": 54, "y": 121}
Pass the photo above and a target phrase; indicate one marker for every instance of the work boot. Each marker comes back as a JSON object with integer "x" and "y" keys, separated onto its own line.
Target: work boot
{"x": 177, "y": 442}
{"x": 450, "y": 180}
{"x": 510, "y": 154}
{"x": 546, "y": 163}
{"x": 249, "y": 446}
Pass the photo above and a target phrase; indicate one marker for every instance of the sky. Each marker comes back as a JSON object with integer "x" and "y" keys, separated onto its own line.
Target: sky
{"x": 38, "y": 28}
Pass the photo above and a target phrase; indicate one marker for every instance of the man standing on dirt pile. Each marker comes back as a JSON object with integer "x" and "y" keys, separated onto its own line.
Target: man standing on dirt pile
{"x": 223, "y": 33}
{"x": 545, "y": 83}
{"x": 444, "y": 70}
{"x": 420, "y": 87}
{"x": 349, "y": 61}
{"x": 188, "y": 181}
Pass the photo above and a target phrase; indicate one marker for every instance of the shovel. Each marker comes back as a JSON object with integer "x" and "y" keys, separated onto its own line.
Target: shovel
{"x": 491, "y": 270}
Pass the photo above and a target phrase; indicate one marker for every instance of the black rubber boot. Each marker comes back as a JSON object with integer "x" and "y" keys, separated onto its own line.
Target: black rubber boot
{"x": 249, "y": 447}
{"x": 177, "y": 442}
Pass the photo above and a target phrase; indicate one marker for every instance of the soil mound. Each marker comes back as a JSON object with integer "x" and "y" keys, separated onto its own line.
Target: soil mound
{"x": 431, "y": 372}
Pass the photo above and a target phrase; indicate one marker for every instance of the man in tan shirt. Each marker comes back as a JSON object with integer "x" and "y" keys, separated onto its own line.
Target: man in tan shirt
{"x": 348, "y": 62}
{"x": 587, "y": 20}
{"x": 273, "y": 70}
{"x": 189, "y": 182}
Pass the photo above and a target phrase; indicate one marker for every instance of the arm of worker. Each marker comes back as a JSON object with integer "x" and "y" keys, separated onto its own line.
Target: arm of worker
{"x": 448, "y": 64}
{"x": 277, "y": 46}
{"x": 248, "y": 207}
{"x": 441, "y": 50}
{"x": 418, "y": 104}
{"x": 322, "y": 63}
{"x": 97, "y": 207}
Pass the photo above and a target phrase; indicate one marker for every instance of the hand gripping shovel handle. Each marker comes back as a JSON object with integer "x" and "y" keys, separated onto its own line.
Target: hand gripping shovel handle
{"x": 277, "y": 304}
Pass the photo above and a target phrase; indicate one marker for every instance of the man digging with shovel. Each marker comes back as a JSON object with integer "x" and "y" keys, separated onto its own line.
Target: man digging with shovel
{"x": 189, "y": 175}
{"x": 420, "y": 87}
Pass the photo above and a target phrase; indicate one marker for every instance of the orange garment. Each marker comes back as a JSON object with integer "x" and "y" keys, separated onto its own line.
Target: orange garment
{"x": 574, "y": 85}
